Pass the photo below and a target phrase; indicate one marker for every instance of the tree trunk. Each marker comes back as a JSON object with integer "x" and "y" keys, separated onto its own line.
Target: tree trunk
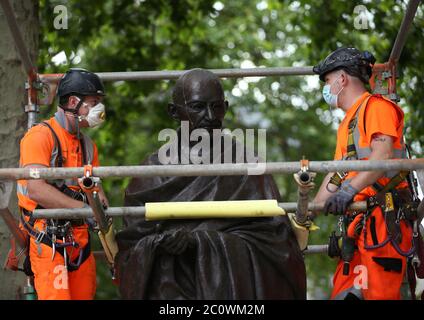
{"x": 13, "y": 119}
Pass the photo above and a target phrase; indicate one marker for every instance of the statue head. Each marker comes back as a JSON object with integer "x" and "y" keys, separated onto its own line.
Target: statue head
{"x": 198, "y": 97}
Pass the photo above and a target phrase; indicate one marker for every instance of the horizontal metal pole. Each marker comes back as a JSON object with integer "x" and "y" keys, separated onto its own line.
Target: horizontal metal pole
{"x": 175, "y": 74}
{"x": 403, "y": 30}
{"x": 225, "y": 169}
{"x": 17, "y": 36}
{"x": 78, "y": 213}
{"x": 314, "y": 249}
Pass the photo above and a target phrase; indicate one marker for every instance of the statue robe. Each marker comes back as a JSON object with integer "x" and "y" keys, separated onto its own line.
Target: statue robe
{"x": 237, "y": 258}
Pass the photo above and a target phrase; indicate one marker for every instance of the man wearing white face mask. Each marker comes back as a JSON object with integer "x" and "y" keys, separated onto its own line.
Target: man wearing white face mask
{"x": 59, "y": 252}
{"x": 375, "y": 243}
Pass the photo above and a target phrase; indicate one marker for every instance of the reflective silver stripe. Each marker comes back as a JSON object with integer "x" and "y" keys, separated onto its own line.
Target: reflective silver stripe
{"x": 54, "y": 155}
{"x": 53, "y": 159}
{"x": 55, "y": 150}
{"x": 22, "y": 189}
{"x": 352, "y": 290}
{"x": 88, "y": 148}
{"x": 361, "y": 152}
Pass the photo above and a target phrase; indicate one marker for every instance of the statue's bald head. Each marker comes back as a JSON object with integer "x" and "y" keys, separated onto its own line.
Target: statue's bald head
{"x": 197, "y": 84}
{"x": 198, "y": 97}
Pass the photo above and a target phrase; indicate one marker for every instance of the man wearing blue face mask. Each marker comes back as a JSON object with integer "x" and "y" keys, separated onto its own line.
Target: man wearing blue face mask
{"x": 375, "y": 243}
{"x": 327, "y": 94}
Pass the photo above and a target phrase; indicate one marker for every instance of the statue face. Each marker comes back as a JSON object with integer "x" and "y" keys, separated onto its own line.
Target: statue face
{"x": 199, "y": 98}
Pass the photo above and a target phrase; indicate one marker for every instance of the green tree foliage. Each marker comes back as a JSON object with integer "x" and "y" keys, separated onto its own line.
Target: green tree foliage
{"x": 175, "y": 35}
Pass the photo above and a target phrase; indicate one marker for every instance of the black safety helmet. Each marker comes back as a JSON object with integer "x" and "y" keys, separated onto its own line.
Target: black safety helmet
{"x": 81, "y": 83}
{"x": 354, "y": 62}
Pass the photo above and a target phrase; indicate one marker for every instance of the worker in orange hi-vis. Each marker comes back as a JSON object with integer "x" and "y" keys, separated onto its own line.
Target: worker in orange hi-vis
{"x": 373, "y": 246}
{"x": 59, "y": 251}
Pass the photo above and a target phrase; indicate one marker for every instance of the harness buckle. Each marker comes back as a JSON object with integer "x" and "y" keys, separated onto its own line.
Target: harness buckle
{"x": 341, "y": 175}
{"x": 389, "y": 203}
{"x": 40, "y": 237}
{"x": 336, "y": 179}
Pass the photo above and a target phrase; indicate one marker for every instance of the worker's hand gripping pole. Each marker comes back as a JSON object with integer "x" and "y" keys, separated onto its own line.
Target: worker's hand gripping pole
{"x": 301, "y": 221}
{"x": 91, "y": 186}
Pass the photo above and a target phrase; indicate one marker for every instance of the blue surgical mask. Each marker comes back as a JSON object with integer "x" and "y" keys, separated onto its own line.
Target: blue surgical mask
{"x": 330, "y": 98}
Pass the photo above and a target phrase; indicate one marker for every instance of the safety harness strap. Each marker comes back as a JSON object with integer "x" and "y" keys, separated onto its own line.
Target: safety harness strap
{"x": 58, "y": 146}
{"x": 45, "y": 238}
{"x": 338, "y": 177}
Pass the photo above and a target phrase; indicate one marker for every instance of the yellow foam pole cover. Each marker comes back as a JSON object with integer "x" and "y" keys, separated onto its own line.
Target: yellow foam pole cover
{"x": 212, "y": 209}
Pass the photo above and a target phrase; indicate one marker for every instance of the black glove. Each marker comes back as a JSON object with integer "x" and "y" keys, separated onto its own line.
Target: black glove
{"x": 339, "y": 201}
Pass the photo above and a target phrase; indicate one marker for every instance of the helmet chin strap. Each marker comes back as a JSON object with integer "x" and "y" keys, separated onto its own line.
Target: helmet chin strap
{"x": 74, "y": 113}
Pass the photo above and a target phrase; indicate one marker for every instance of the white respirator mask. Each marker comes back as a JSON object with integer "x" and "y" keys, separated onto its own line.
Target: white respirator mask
{"x": 96, "y": 116}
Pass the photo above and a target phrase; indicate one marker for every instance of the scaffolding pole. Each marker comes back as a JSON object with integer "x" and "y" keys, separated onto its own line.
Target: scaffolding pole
{"x": 403, "y": 30}
{"x": 318, "y": 248}
{"x": 140, "y": 212}
{"x": 226, "y": 169}
{"x": 32, "y": 107}
{"x": 175, "y": 74}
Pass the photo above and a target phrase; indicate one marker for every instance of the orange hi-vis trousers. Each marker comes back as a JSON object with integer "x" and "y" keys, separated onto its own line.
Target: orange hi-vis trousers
{"x": 378, "y": 273}
{"x": 53, "y": 281}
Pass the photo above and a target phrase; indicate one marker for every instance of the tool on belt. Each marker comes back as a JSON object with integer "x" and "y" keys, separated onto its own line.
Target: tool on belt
{"x": 56, "y": 234}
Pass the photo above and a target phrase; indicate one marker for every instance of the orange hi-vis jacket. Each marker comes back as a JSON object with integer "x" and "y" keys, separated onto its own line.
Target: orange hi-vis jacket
{"x": 52, "y": 278}
{"x": 376, "y": 115}
{"x": 38, "y": 147}
{"x": 377, "y": 268}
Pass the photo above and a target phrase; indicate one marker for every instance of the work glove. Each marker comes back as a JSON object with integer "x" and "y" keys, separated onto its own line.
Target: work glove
{"x": 339, "y": 201}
